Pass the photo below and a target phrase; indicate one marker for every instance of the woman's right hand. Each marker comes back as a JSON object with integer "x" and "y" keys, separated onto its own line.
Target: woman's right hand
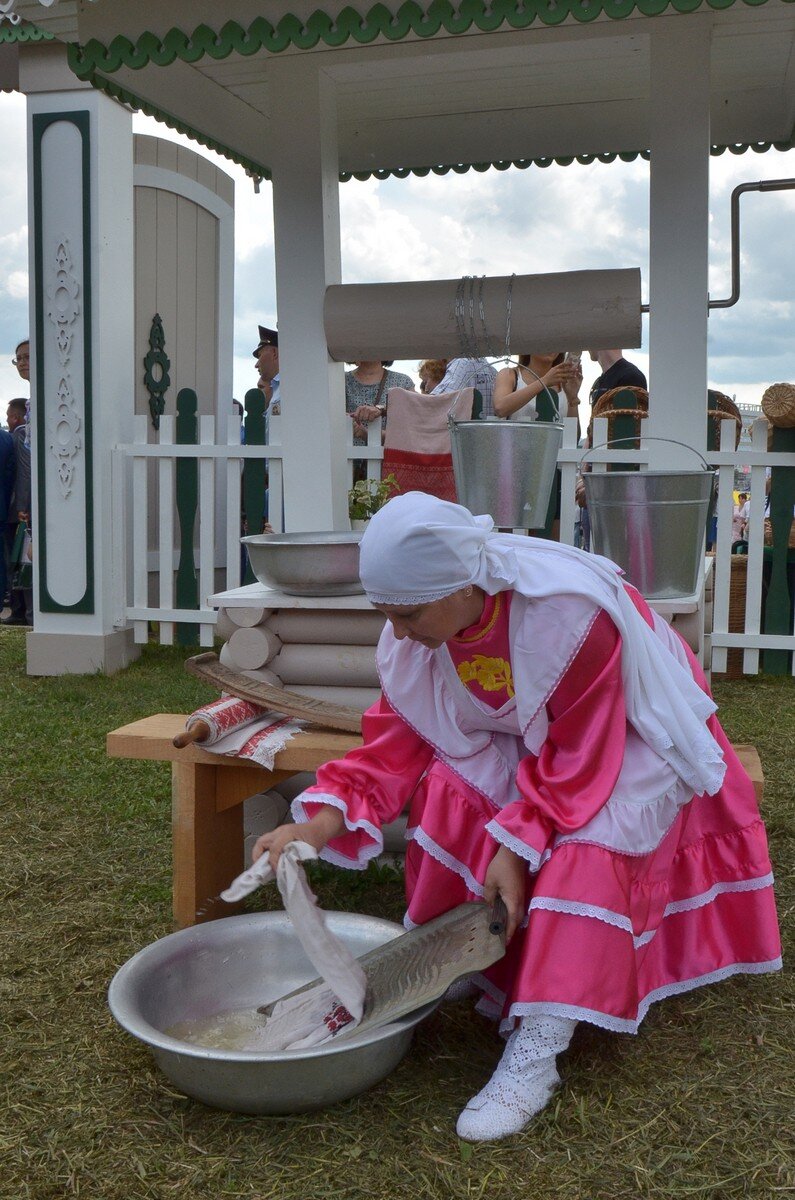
{"x": 326, "y": 824}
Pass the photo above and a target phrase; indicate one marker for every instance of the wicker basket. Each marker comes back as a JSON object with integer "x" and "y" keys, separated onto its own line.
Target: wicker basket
{"x": 604, "y": 408}
{"x": 721, "y": 408}
{"x": 769, "y": 533}
{"x": 738, "y": 582}
{"x": 604, "y": 405}
{"x": 778, "y": 405}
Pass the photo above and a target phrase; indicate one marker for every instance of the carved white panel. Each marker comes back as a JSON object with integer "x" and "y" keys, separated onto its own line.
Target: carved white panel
{"x": 63, "y": 347}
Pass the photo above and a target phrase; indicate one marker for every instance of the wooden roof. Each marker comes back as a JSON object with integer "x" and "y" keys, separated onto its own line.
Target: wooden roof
{"x": 445, "y": 86}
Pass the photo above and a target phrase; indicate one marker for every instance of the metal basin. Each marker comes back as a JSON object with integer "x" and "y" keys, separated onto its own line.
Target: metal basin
{"x": 307, "y": 564}
{"x": 240, "y": 963}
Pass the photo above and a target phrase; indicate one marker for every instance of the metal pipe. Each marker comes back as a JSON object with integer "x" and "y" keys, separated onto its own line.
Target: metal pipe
{"x": 764, "y": 185}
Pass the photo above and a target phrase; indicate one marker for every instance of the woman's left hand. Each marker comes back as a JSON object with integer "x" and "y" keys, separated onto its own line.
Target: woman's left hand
{"x": 506, "y": 877}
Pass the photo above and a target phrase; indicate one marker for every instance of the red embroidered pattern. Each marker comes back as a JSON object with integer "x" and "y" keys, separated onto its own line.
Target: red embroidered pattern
{"x": 430, "y": 473}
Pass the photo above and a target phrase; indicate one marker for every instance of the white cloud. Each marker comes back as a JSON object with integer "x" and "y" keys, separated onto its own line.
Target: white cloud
{"x": 17, "y": 285}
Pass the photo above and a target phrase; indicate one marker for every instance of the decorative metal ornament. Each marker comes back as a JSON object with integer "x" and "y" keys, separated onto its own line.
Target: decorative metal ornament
{"x": 64, "y": 440}
{"x": 63, "y": 311}
{"x": 157, "y": 365}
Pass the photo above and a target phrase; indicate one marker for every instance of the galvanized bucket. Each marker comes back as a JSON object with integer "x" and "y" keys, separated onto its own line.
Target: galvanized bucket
{"x": 653, "y": 524}
{"x": 506, "y": 469}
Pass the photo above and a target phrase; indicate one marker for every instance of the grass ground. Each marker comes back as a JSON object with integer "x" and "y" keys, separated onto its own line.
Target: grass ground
{"x": 699, "y": 1104}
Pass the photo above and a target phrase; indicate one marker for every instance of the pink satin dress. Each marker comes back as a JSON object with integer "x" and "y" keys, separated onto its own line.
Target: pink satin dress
{"x": 612, "y": 925}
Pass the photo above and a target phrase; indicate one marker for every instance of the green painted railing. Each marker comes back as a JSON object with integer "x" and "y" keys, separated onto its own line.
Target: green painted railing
{"x": 780, "y": 598}
{"x": 254, "y": 481}
{"x": 187, "y": 489}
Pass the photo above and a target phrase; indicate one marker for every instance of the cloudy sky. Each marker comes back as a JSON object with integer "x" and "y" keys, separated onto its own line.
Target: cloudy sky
{"x": 556, "y": 219}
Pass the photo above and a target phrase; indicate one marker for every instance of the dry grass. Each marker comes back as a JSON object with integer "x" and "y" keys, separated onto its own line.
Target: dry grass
{"x": 699, "y": 1104}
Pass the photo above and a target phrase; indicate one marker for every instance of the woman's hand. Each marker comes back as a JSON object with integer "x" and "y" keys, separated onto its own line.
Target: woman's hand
{"x": 571, "y": 385}
{"x": 559, "y": 376}
{"x": 366, "y": 413}
{"x": 506, "y": 877}
{"x": 326, "y": 824}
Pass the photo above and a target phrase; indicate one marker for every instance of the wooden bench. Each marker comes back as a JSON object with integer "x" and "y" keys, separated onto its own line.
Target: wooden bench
{"x": 208, "y": 791}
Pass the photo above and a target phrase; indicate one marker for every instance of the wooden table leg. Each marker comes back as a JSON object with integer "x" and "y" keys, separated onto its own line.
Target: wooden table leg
{"x": 207, "y": 843}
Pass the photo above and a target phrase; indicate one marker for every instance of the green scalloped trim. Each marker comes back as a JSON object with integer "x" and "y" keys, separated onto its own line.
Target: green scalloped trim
{"x": 23, "y": 33}
{"x": 262, "y": 172}
{"x": 561, "y": 160}
{"x": 152, "y": 110}
{"x": 410, "y": 18}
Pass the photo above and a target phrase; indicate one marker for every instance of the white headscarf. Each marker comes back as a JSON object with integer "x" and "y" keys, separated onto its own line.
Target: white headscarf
{"x": 418, "y": 549}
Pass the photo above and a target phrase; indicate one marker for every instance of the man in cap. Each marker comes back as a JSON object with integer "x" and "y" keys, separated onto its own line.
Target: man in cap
{"x": 267, "y": 356}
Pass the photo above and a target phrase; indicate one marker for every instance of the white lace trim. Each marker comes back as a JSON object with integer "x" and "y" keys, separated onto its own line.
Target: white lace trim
{"x": 623, "y": 1024}
{"x": 328, "y": 853}
{"x": 576, "y": 908}
{"x": 505, "y": 838}
{"x": 410, "y": 601}
{"x": 717, "y": 889}
{"x": 621, "y": 920}
{"x": 447, "y": 860}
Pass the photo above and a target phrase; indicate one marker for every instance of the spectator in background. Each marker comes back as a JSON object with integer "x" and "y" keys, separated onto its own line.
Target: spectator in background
{"x": 470, "y": 372}
{"x": 531, "y": 391}
{"x": 21, "y": 598}
{"x": 7, "y": 474}
{"x": 616, "y": 372}
{"x": 21, "y": 360}
{"x": 738, "y": 520}
{"x": 431, "y": 372}
{"x": 267, "y": 356}
{"x": 366, "y": 390}
{"x": 15, "y": 418}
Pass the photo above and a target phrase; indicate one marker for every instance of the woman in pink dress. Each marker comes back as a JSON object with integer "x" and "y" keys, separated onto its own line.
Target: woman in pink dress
{"x": 558, "y": 747}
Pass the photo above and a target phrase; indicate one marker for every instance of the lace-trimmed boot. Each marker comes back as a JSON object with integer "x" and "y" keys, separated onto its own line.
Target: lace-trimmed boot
{"x": 522, "y": 1084}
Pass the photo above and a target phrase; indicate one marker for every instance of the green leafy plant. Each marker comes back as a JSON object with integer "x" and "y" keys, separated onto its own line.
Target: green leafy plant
{"x": 368, "y": 495}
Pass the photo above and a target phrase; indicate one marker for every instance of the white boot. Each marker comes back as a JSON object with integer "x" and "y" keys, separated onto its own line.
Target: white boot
{"x": 523, "y": 1083}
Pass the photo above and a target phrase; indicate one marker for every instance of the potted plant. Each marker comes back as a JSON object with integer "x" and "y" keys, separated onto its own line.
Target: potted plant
{"x": 367, "y": 496}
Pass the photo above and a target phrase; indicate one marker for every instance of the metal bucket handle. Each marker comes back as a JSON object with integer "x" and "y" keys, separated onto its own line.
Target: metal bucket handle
{"x": 673, "y": 442}
{"x": 451, "y": 421}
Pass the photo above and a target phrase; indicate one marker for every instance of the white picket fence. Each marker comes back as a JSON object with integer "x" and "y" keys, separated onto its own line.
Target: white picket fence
{"x": 220, "y": 467}
{"x": 217, "y": 525}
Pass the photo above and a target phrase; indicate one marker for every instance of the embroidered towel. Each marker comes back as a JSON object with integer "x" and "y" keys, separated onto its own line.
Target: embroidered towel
{"x": 314, "y": 1016}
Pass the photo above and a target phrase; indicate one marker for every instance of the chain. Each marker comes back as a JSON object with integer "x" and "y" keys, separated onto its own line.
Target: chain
{"x": 464, "y": 311}
{"x": 468, "y": 349}
{"x": 508, "y": 315}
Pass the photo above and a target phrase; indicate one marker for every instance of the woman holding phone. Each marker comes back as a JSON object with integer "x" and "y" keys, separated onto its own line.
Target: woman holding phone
{"x": 532, "y": 391}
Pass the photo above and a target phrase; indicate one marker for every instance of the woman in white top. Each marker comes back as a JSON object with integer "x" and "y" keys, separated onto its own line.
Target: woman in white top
{"x": 530, "y": 392}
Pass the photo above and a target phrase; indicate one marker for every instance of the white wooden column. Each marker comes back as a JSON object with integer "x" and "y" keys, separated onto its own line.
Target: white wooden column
{"x": 305, "y": 166}
{"x": 679, "y": 237}
{"x": 81, "y": 324}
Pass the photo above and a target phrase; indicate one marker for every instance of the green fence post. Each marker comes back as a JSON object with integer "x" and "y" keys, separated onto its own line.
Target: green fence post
{"x": 778, "y": 604}
{"x": 254, "y": 484}
{"x": 187, "y": 486}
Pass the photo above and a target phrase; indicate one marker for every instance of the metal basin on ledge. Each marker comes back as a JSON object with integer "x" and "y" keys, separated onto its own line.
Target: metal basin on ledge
{"x": 307, "y": 564}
